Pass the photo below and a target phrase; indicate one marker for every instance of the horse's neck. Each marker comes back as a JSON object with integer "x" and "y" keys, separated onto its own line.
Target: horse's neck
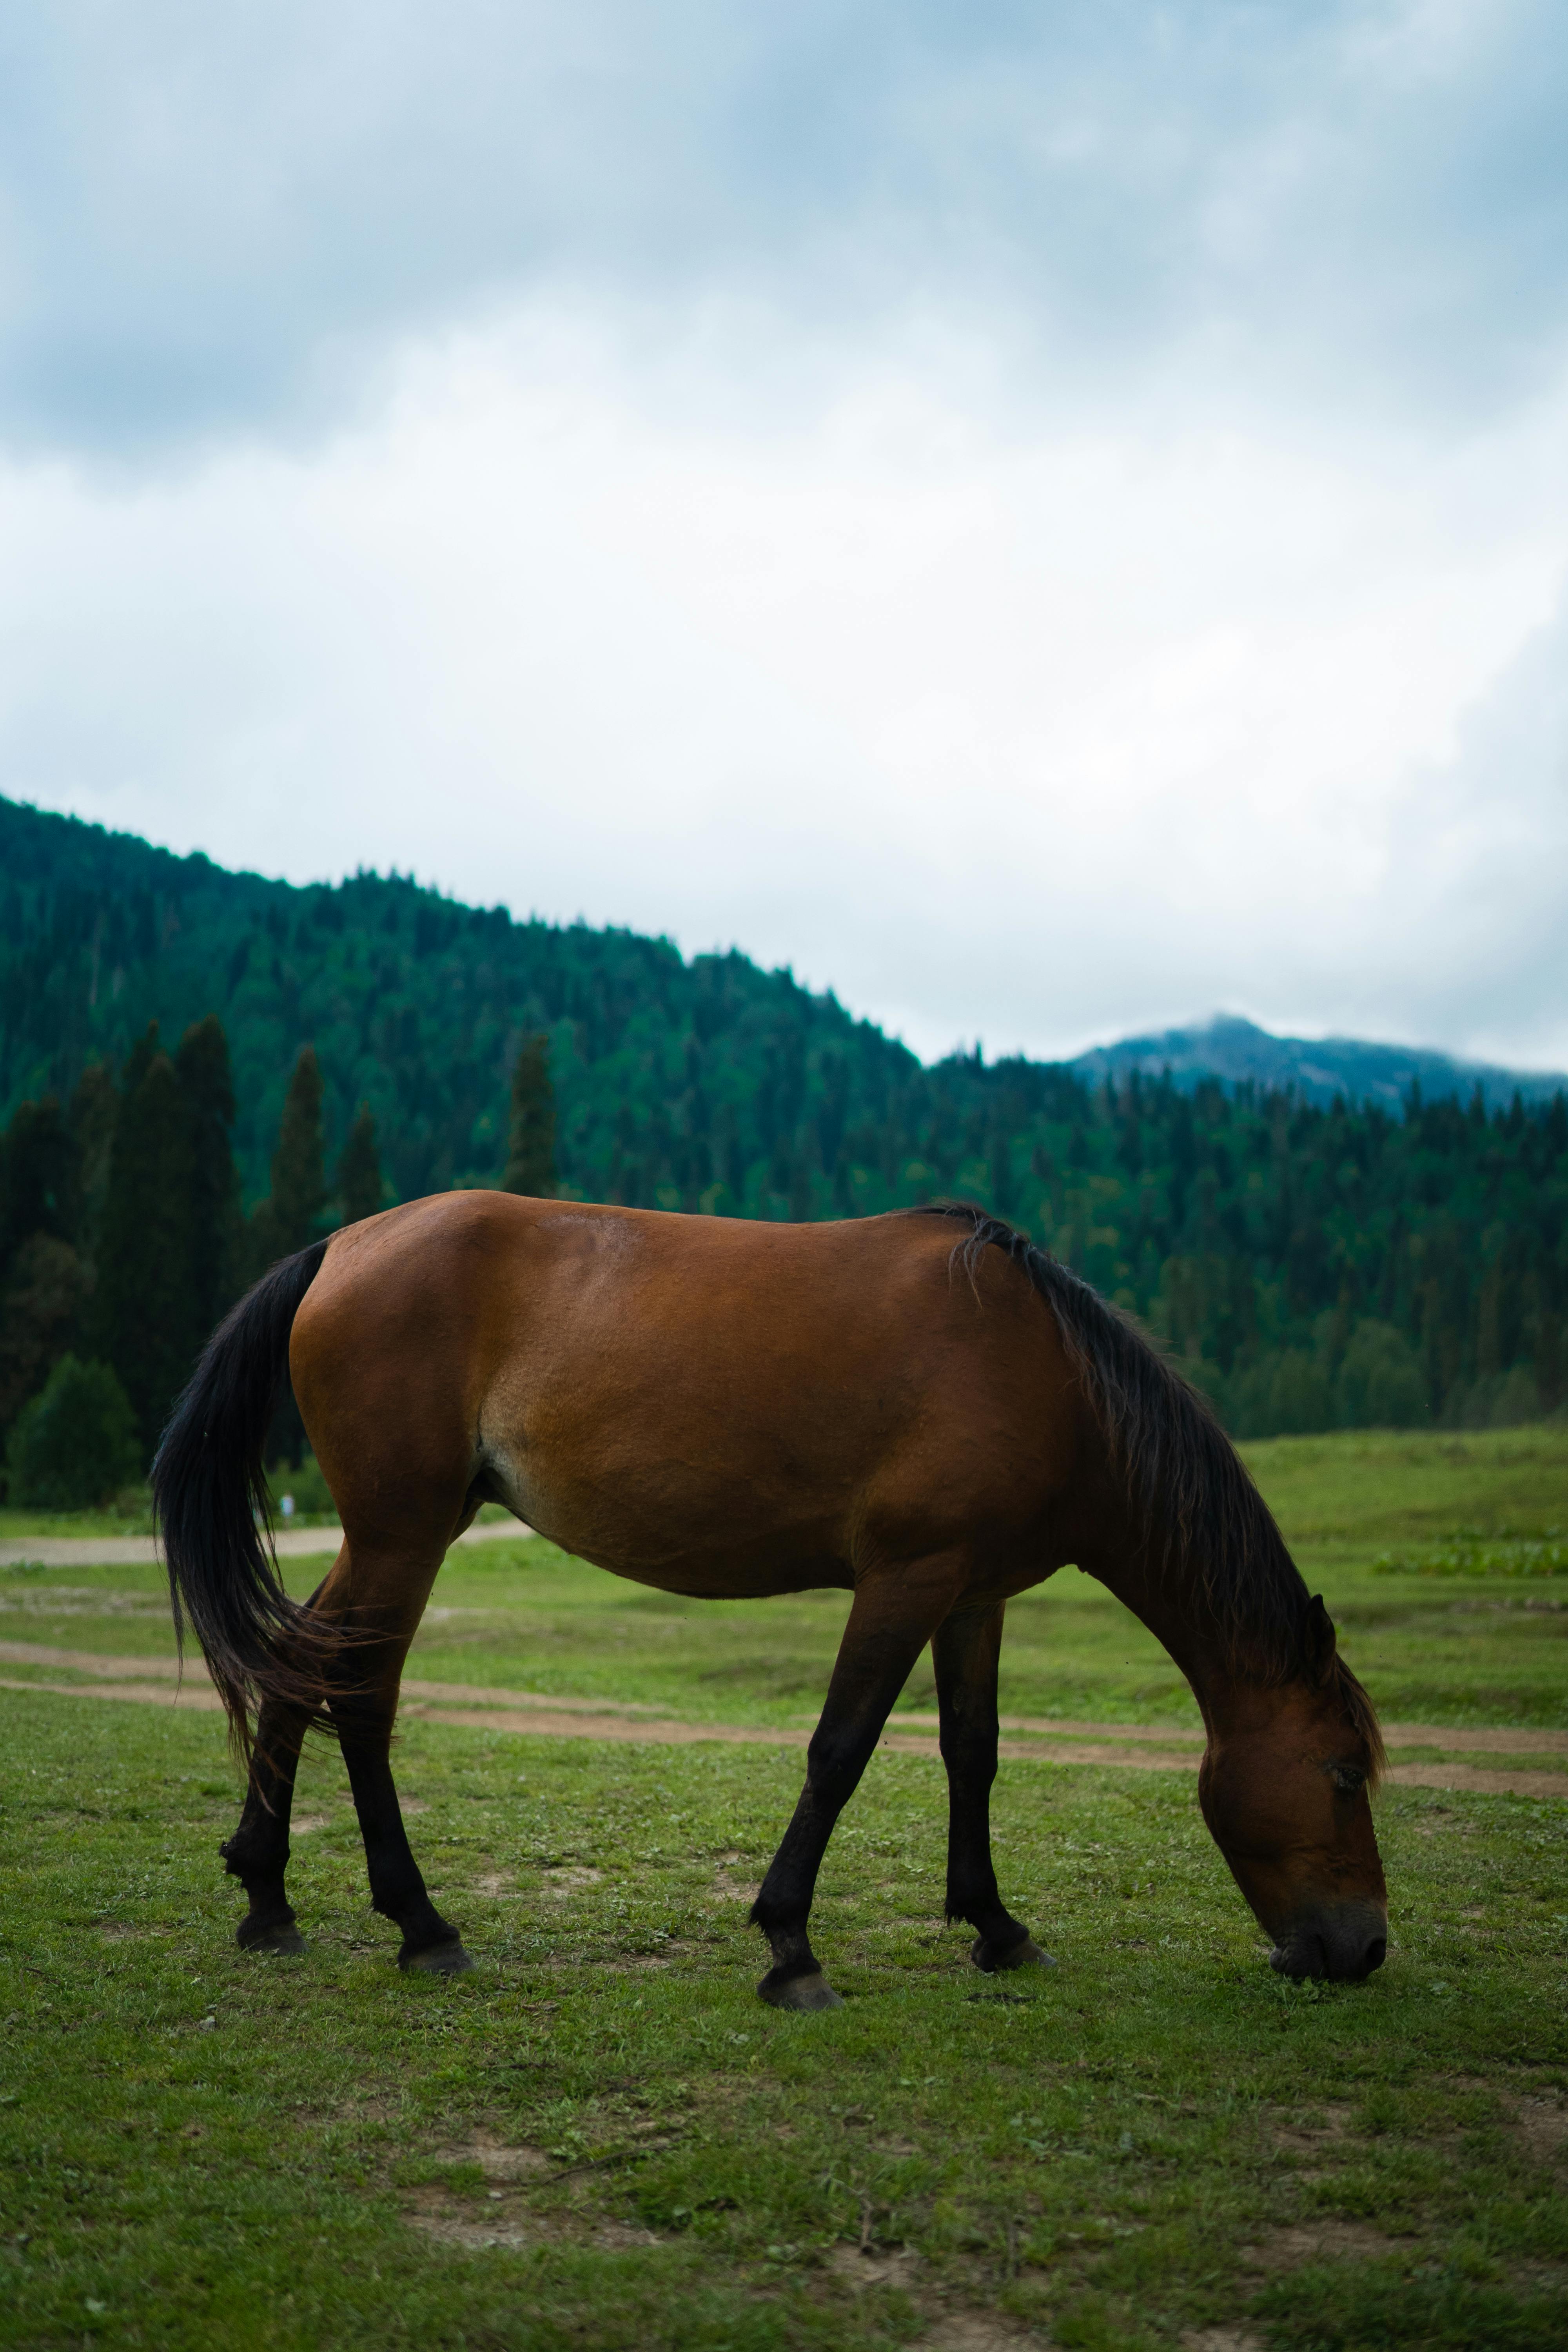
{"x": 1166, "y": 1591}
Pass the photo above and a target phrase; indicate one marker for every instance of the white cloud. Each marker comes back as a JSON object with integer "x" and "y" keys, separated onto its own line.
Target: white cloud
{"x": 1003, "y": 719}
{"x": 218, "y": 220}
{"x": 1050, "y": 520}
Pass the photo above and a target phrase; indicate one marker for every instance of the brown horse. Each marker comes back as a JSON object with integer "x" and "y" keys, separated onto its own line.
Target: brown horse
{"x": 922, "y": 1409}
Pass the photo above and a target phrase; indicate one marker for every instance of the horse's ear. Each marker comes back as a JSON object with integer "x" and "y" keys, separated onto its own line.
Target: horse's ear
{"x": 1320, "y": 1648}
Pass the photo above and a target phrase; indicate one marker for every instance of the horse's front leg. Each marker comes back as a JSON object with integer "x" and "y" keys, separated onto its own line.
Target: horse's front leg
{"x": 891, "y": 1620}
{"x": 964, "y": 1650}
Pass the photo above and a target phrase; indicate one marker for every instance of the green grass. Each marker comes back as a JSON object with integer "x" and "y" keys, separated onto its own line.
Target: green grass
{"x": 1159, "y": 2139}
{"x": 132, "y": 1516}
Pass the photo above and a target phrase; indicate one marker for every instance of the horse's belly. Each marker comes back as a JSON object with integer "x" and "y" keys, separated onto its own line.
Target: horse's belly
{"x": 676, "y": 1528}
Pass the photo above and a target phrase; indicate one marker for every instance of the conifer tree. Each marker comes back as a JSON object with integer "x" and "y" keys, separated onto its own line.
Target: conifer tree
{"x": 41, "y": 1307}
{"x": 359, "y": 1171}
{"x": 43, "y": 1282}
{"x": 139, "y": 1060}
{"x": 530, "y": 1157}
{"x": 290, "y": 1218}
{"x": 39, "y": 1166}
{"x": 94, "y": 1107}
{"x": 147, "y": 1321}
{"x": 287, "y": 1219}
{"x": 202, "y": 1067}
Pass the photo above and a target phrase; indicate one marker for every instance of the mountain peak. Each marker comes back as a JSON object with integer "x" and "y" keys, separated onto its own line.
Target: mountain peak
{"x": 1230, "y": 1046}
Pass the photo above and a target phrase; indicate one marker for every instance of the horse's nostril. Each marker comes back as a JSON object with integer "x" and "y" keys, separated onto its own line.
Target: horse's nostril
{"x": 1375, "y": 1954}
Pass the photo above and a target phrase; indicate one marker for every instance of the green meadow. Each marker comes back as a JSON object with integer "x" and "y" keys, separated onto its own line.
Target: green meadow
{"x": 601, "y": 2139}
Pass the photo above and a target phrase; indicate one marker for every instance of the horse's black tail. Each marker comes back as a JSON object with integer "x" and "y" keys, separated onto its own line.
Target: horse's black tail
{"x": 211, "y": 1506}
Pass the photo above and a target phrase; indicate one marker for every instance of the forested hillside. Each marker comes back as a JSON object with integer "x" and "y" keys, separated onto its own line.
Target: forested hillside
{"x": 1311, "y": 1264}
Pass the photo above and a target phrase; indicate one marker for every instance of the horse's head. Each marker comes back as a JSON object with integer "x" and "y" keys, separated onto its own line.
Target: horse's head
{"x": 1284, "y": 1789}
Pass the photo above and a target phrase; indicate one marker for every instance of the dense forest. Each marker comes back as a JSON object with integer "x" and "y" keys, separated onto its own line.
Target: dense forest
{"x": 200, "y": 1068}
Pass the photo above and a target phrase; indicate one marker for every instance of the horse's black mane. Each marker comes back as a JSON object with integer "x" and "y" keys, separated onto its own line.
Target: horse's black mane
{"x": 1199, "y": 1506}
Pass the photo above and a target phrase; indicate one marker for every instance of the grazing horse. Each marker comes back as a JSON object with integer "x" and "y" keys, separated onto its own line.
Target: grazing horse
{"x": 922, "y": 1409}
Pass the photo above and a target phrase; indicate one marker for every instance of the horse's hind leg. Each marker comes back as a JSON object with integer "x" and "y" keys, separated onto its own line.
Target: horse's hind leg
{"x": 965, "y": 1649}
{"x": 364, "y": 1709}
{"x": 257, "y": 1853}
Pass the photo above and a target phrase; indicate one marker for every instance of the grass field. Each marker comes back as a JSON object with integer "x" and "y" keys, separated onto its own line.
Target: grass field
{"x": 600, "y": 2138}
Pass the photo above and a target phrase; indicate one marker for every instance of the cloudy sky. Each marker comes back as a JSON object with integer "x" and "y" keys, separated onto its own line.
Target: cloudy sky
{"x": 1051, "y": 519}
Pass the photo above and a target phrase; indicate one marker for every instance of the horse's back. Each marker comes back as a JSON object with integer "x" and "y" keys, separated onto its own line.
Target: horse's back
{"x": 729, "y": 1404}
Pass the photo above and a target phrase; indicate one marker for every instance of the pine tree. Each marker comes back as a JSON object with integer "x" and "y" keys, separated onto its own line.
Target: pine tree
{"x": 139, "y": 1060}
{"x": 202, "y": 1067}
{"x": 39, "y": 1173}
{"x": 359, "y": 1171}
{"x": 43, "y": 1281}
{"x": 147, "y": 1321}
{"x": 531, "y": 1158}
{"x": 287, "y": 1219}
{"x": 94, "y": 1107}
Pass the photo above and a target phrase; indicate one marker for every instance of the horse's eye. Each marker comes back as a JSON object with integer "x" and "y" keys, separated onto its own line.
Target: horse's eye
{"x": 1346, "y": 1778}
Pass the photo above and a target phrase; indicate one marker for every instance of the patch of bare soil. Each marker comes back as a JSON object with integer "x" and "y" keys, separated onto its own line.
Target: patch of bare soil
{"x": 503, "y": 2218}
{"x": 564, "y": 1880}
{"x": 1487, "y": 1739}
{"x": 496, "y": 2158}
{"x": 1540, "y": 2121}
{"x": 639, "y": 1963}
{"x": 497, "y": 1885}
{"x": 1329, "y": 2240}
{"x": 374, "y": 2107}
{"x": 194, "y": 1699}
{"x": 91, "y": 1662}
{"x": 727, "y": 1887}
{"x": 1471, "y": 1775}
{"x": 621, "y": 2234}
{"x": 82, "y": 1601}
{"x": 976, "y": 2331}
{"x": 1310, "y": 2130}
{"x": 304, "y": 1823}
{"x": 1537, "y": 2118}
{"x": 441, "y": 2217}
{"x": 946, "y": 2330}
{"x": 876, "y": 2266}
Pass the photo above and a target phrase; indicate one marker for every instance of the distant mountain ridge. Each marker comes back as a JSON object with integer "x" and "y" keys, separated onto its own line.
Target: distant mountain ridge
{"x": 1318, "y": 1068}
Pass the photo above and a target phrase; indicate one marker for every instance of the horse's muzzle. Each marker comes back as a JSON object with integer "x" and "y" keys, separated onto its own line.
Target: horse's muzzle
{"x": 1344, "y": 1943}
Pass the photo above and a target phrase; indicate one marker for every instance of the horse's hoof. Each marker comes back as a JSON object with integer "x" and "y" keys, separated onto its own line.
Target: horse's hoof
{"x": 799, "y": 1992}
{"x": 282, "y": 1943}
{"x": 1025, "y": 1955}
{"x": 437, "y": 1960}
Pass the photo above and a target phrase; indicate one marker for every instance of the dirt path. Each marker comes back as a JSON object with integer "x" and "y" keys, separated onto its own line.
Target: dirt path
{"x": 538, "y": 1714}
{"x": 142, "y": 1551}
